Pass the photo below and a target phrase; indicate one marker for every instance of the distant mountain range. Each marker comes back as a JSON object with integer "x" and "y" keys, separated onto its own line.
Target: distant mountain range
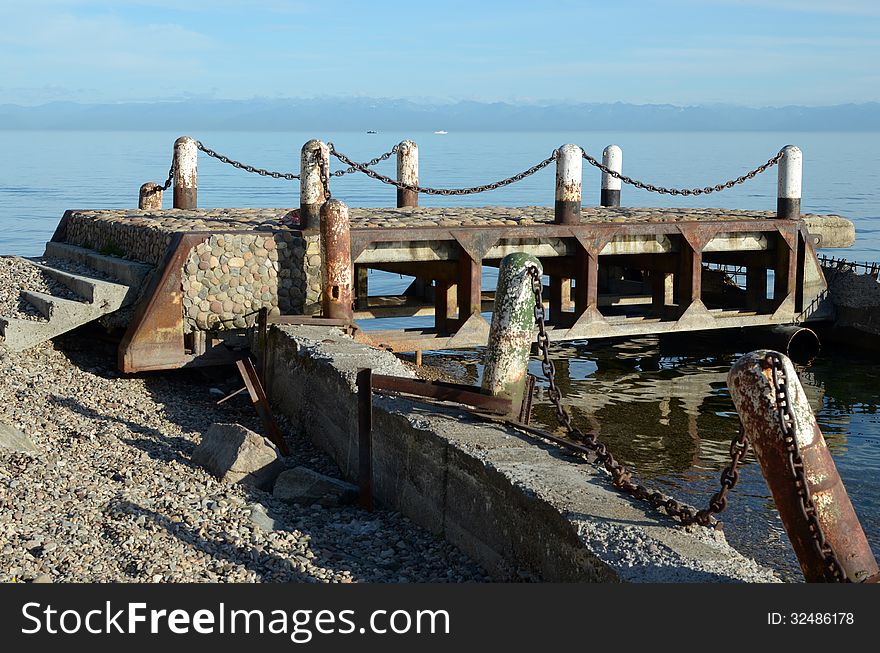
{"x": 344, "y": 114}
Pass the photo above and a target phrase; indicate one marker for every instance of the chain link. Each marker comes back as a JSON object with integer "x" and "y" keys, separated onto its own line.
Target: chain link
{"x": 244, "y": 166}
{"x": 369, "y": 164}
{"x": 683, "y": 191}
{"x": 361, "y": 167}
{"x": 620, "y": 476}
{"x": 779, "y": 381}
{"x": 170, "y": 179}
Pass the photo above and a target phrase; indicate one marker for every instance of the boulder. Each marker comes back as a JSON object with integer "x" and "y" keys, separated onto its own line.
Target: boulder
{"x": 14, "y": 440}
{"x": 304, "y": 486}
{"x": 238, "y": 455}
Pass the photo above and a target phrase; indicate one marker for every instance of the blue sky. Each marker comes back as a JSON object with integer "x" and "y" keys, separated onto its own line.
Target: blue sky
{"x": 750, "y": 52}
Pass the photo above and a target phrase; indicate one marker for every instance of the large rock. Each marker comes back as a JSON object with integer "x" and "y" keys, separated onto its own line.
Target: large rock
{"x": 14, "y": 440}
{"x": 238, "y": 455}
{"x": 305, "y": 487}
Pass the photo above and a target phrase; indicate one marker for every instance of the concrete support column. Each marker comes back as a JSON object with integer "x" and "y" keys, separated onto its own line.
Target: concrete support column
{"x": 512, "y": 331}
{"x": 337, "y": 271}
{"x": 407, "y": 173}
{"x": 755, "y": 387}
{"x": 788, "y": 195}
{"x": 569, "y": 171}
{"x": 311, "y": 184}
{"x": 612, "y": 158}
{"x": 150, "y": 197}
{"x": 186, "y": 175}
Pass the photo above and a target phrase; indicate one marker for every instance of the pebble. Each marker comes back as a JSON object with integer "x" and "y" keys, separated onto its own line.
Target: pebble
{"x": 110, "y": 496}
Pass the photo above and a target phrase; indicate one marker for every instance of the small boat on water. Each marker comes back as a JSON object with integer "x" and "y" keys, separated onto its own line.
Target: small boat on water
{"x": 372, "y": 131}
{"x": 441, "y": 131}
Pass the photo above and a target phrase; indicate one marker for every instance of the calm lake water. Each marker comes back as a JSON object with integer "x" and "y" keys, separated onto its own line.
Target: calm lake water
{"x": 662, "y": 407}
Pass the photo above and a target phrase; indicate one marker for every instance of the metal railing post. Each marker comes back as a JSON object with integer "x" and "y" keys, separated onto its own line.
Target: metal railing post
{"x": 569, "y": 171}
{"x": 407, "y": 173}
{"x": 612, "y": 157}
{"x": 337, "y": 271}
{"x": 186, "y": 175}
{"x": 311, "y": 184}
{"x": 788, "y": 195}
{"x": 150, "y": 197}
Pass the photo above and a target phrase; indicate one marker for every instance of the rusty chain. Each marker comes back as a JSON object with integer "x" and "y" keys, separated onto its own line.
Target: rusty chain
{"x": 244, "y": 166}
{"x": 360, "y": 167}
{"x": 170, "y": 179}
{"x": 779, "y": 381}
{"x": 621, "y": 478}
{"x": 751, "y": 174}
{"x": 369, "y": 164}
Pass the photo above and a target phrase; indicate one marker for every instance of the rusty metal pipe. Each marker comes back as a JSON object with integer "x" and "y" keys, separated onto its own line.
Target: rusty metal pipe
{"x": 751, "y": 387}
{"x": 186, "y": 175}
{"x": 311, "y": 183}
{"x": 337, "y": 271}
{"x": 797, "y": 342}
{"x": 407, "y": 173}
{"x": 569, "y": 172}
{"x": 150, "y": 197}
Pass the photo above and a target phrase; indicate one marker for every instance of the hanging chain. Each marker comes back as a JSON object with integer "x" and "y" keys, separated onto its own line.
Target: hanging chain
{"x": 369, "y": 164}
{"x": 324, "y": 172}
{"x": 170, "y": 179}
{"x": 621, "y": 478}
{"x": 683, "y": 191}
{"x": 361, "y": 167}
{"x": 244, "y": 166}
{"x": 779, "y": 382}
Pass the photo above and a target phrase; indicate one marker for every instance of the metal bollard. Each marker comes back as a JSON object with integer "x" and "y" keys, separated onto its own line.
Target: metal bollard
{"x": 150, "y": 197}
{"x": 407, "y": 173}
{"x": 337, "y": 271}
{"x": 311, "y": 183}
{"x": 569, "y": 170}
{"x": 788, "y": 194}
{"x": 513, "y": 330}
{"x": 751, "y": 381}
{"x": 186, "y": 174}
{"x": 612, "y": 157}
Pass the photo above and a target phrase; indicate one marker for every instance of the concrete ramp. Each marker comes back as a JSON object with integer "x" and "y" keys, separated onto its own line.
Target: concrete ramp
{"x": 66, "y": 288}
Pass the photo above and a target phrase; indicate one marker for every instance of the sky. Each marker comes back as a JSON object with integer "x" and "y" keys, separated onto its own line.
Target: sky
{"x": 745, "y": 52}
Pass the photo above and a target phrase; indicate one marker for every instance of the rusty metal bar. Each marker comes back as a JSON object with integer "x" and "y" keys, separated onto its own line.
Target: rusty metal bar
{"x": 150, "y": 197}
{"x": 311, "y": 182}
{"x": 466, "y": 395}
{"x": 362, "y": 281}
{"x": 569, "y": 172}
{"x": 407, "y": 173}
{"x": 365, "y": 437}
{"x": 337, "y": 271}
{"x": 307, "y": 320}
{"x": 186, "y": 176}
{"x": 470, "y": 278}
{"x": 752, "y": 382}
{"x": 261, "y": 403}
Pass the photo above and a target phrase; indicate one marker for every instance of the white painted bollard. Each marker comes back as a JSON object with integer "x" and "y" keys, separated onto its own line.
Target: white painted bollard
{"x": 612, "y": 158}
{"x": 311, "y": 184}
{"x": 407, "y": 173}
{"x": 186, "y": 173}
{"x": 569, "y": 171}
{"x": 512, "y": 332}
{"x": 788, "y": 195}
{"x": 150, "y": 197}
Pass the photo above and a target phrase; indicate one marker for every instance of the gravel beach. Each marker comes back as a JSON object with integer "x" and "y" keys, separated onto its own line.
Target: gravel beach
{"x": 111, "y": 495}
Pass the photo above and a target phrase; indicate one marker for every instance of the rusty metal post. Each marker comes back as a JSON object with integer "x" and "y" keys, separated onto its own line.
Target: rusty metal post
{"x": 150, "y": 197}
{"x": 506, "y": 363}
{"x": 407, "y": 173}
{"x": 364, "y": 381}
{"x": 337, "y": 271}
{"x": 612, "y": 158}
{"x": 569, "y": 170}
{"x": 311, "y": 182}
{"x": 186, "y": 175}
{"x": 788, "y": 195}
{"x": 751, "y": 381}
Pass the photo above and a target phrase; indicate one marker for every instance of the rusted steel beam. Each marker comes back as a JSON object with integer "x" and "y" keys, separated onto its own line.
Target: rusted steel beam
{"x": 407, "y": 173}
{"x": 336, "y": 268}
{"x": 453, "y": 392}
{"x": 311, "y": 320}
{"x": 362, "y": 280}
{"x": 612, "y": 158}
{"x": 569, "y": 172}
{"x": 186, "y": 175}
{"x": 154, "y": 338}
{"x": 445, "y": 305}
{"x": 311, "y": 182}
{"x": 261, "y": 403}
{"x": 364, "y": 382}
{"x": 752, "y": 382}
{"x": 150, "y": 197}
{"x": 788, "y": 195}
{"x": 470, "y": 279}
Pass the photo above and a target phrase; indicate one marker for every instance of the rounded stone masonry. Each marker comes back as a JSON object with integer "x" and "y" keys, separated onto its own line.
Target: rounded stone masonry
{"x": 513, "y": 329}
{"x": 311, "y": 182}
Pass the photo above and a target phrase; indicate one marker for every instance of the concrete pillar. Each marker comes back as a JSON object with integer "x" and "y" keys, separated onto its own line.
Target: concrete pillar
{"x": 407, "y": 173}
{"x": 612, "y": 158}
{"x": 337, "y": 271}
{"x": 311, "y": 184}
{"x": 761, "y": 398}
{"x": 186, "y": 174}
{"x": 513, "y": 329}
{"x": 788, "y": 195}
{"x": 150, "y": 197}
{"x": 569, "y": 171}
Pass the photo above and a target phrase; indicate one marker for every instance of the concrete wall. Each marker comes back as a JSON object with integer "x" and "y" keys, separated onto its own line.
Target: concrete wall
{"x": 521, "y": 509}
